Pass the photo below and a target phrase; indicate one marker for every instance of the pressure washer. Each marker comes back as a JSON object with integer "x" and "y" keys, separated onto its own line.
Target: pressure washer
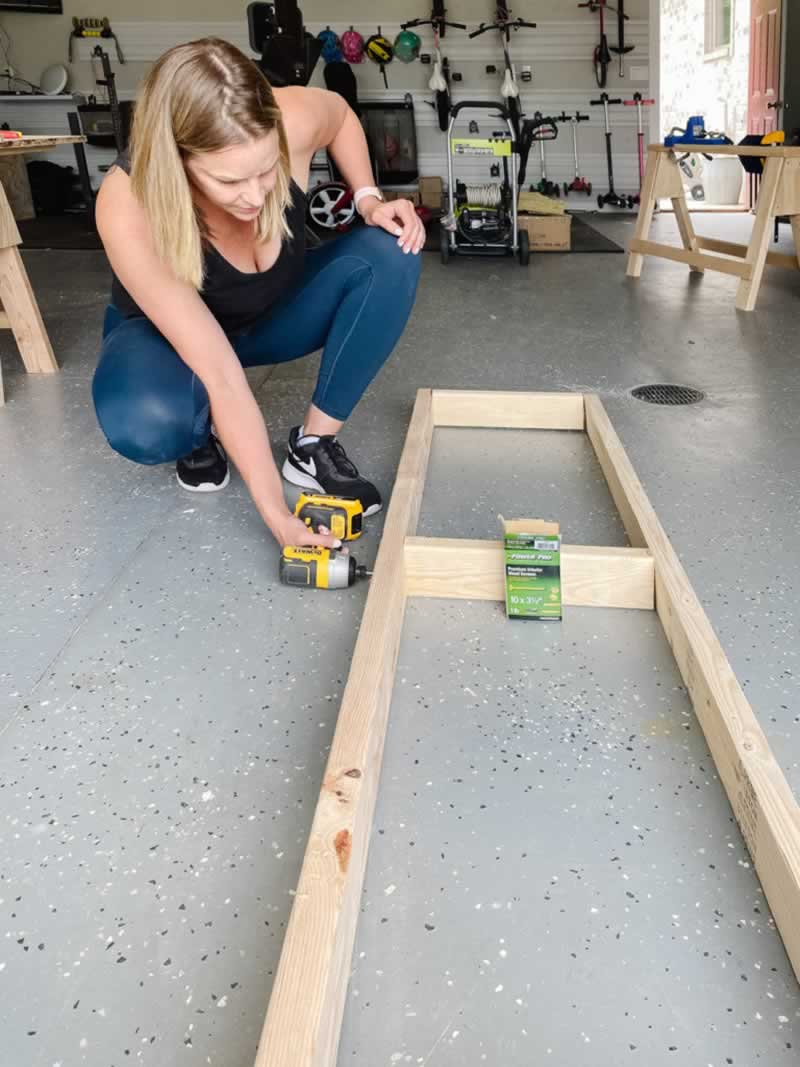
{"x": 482, "y": 219}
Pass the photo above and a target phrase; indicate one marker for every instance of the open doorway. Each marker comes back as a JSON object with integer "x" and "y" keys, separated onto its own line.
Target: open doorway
{"x": 727, "y": 61}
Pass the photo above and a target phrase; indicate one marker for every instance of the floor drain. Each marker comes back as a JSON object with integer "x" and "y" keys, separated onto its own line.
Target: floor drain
{"x": 667, "y": 394}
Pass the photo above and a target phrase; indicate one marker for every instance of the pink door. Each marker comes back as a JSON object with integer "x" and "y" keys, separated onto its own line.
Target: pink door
{"x": 765, "y": 66}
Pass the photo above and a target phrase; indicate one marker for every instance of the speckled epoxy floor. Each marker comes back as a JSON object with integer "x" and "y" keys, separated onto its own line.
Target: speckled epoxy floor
{"x": 555, "y": 875}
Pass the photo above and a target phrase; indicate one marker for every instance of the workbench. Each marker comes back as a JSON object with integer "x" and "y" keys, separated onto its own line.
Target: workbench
{"x": 779, "y": 195}
{"x": 19, "y": 310}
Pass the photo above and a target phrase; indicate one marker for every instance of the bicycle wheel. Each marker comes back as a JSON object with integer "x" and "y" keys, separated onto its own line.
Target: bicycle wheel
{"x": 514, "y": 113}
{"x": 443, "y": 108}
{"x": 602, "y": 61}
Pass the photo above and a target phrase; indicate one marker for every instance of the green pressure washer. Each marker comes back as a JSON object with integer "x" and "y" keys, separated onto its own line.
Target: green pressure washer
{"x": 482, "y": 219}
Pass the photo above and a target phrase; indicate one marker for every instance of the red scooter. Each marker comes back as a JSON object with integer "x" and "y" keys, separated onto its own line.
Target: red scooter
{"x": 579, "y": 184}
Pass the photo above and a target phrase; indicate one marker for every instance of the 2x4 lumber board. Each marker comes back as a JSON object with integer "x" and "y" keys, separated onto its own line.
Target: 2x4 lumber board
{"x": 647, "y": 206}
{"x": 19, "y": 302}
{"x": 688, "y": 236}
{"x": 747, "y": 292}
{"x": 304, "y": 1016}
{"x": 693, "y": 259}
{"x": 474, "y": 570}
{"x": 762, "y": 801}
{"x": 729, "y": 248}
{"x": 519, "y": 411}
{"x": 788, "y": 199}
{"x": 669, "y": 183}
{"x": 765, "y": 151}
{"x": 33, "y": 143}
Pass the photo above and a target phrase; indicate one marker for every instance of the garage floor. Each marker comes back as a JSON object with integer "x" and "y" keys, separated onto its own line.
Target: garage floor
{"x": 555, "y": 875}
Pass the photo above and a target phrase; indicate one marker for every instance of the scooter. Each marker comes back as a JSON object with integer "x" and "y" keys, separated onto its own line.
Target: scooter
{"x": 545, "y": 186}
{"x": 612, "y": 197}
{"x": 639, "y": 102}
{"x": 578, "y": 184}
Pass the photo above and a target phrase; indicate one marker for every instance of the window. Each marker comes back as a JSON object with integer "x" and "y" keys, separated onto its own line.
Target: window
{"x": 719, "y": 28}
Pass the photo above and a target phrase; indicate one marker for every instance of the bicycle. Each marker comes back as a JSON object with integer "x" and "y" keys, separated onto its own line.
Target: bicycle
{"x": 504, "y": 24}
{"x": 440, "y": 79}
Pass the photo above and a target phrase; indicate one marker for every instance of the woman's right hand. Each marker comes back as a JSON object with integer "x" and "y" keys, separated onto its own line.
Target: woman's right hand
{"x": 289, "y": 530}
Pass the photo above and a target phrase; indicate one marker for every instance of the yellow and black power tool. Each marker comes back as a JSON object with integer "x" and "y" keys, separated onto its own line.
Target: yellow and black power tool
{"x": 344, "y": 518}
{"x": 319, "y": 568}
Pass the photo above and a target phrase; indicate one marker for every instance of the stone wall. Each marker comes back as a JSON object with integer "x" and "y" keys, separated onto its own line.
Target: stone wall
{"x": 691, "y": 84}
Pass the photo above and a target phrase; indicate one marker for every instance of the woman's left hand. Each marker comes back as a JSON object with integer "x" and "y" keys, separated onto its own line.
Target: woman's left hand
{"x": 398, "y": 218}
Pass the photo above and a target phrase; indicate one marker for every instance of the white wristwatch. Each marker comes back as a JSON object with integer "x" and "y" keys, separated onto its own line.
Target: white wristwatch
{"x": 367, "y": 190}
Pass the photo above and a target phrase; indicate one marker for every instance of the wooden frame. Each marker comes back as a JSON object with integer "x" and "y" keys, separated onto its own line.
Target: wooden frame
{"x": 305, "y": 1011}
{"x": 779, "y": 195}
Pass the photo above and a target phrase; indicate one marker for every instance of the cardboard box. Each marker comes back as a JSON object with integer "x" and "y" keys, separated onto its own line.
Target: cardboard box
{"x": 401, "y": 194}
{"x": 548, "y": 233}
{"x": 430, "y": 192}
{"x": 532, "y": 553}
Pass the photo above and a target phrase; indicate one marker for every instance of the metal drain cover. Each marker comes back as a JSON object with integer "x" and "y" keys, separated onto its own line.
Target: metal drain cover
{"x": 667, "y": 394}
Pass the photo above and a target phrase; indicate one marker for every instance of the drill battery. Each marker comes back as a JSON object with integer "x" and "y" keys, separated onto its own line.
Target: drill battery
{"x": 343, "y": 517}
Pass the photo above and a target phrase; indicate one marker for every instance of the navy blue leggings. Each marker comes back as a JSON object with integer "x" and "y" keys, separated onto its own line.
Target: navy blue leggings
{"x": 353, "y": 301}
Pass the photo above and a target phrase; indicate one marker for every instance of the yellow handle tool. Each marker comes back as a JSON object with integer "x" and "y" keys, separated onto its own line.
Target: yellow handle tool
{"x": 344, "y": 518}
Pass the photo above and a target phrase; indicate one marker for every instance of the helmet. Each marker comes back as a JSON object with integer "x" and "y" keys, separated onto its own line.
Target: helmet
{"x": 353, "y": 46}
{"x": 379, "y": 49}
{"x": 407, "y": 46}
{"x": 331, "y": 46}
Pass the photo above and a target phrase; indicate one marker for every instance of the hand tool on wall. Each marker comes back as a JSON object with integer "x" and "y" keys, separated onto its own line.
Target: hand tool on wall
{"x": 621, "y": 49}
{"x": 578, "y": 184}
{"x": 319, "y": 568}
{"x": 639, "y": 103}
{"x": 82, "y": 28}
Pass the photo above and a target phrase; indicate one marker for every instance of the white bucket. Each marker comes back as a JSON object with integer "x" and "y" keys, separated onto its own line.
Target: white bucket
{"x": 722, "y": 180}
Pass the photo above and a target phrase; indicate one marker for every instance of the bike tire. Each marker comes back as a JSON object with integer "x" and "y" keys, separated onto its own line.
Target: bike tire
{"x": 601, "y": 65}
{"x": 443, "y": 108}
{"x": 515, "y": 114}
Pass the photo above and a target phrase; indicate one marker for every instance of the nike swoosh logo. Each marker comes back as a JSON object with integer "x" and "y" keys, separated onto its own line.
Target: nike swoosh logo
{"x": 307, "y": 465}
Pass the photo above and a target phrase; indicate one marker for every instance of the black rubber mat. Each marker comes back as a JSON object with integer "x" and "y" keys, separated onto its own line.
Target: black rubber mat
{"x": 64, "y": 232}
{"x": 69, "y": 232}
{"x": 585, "y": 238}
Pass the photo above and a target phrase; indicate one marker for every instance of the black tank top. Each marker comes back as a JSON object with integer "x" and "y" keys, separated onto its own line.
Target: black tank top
{"x": 234, "y": 298}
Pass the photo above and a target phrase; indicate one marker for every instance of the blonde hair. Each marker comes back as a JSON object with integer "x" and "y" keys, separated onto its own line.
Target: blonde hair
{"x": 200, "y": 97}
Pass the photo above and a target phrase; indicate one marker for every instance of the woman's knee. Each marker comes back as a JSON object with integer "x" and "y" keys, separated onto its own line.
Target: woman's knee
{"x": 398, "y": 269}
{"x": 150, "y": 409}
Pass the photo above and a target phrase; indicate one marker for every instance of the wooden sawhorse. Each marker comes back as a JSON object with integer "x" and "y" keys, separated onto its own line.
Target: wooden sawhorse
{"x": 779, "y": 195}
{"x": 19, "y": 311}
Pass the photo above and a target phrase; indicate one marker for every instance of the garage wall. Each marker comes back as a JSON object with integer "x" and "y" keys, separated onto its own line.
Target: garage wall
{"x": 559, "y": 52}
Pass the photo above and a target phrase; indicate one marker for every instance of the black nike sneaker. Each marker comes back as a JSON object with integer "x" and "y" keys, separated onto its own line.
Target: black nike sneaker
{"x": 205, "y": 470}
{"x": 321, "y": 464}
